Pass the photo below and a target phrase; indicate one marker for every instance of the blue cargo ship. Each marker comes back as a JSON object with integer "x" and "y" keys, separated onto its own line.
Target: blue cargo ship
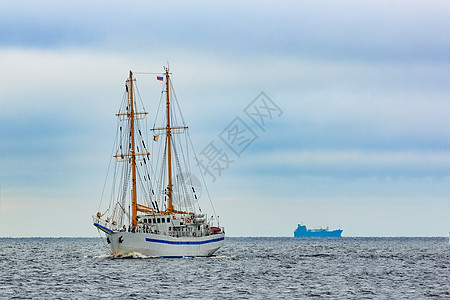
{"x": 303, "y": 232}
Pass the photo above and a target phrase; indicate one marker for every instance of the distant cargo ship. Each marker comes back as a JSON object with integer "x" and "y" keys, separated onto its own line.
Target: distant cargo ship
{"x": 302, "y": 231}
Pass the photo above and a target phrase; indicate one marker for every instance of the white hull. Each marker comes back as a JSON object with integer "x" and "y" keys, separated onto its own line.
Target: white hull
{"x": 123, "y": 243}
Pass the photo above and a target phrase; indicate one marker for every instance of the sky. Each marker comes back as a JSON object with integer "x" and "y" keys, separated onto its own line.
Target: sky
{"x": 351, "y": 127}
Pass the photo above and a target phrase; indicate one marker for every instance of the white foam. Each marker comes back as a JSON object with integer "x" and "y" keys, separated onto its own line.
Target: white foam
{"x": 103, "y": 256}
{"x": 133, "y": 255}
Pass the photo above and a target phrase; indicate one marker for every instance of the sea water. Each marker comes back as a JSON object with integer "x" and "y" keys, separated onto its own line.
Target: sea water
{"x": 244, "y": 268}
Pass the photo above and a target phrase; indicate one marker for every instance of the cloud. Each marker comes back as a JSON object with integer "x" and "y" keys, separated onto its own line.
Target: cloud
{"x": 347, "y": 30}
{"x": 356, "y": 163}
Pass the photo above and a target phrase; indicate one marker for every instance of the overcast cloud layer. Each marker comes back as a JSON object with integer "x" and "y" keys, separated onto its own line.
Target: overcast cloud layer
{"x": 364, "y": 88}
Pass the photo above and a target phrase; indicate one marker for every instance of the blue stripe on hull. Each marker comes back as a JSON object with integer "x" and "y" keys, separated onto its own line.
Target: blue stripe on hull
{"x": 103, "y": 228}
{"x": 185, "y": 243}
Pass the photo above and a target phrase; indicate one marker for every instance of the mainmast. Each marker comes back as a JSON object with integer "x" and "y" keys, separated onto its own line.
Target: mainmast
{"x": 169, "y": 150}
{"x": 133, "y": 154}
{"x": 169, "y": 130}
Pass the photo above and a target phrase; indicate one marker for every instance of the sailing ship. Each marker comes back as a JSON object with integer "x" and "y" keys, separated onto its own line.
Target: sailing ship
{"x": 154, "y": 203}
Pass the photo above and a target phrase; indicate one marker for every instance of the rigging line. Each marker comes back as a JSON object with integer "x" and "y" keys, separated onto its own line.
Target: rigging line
{"x": 113, "y": 190}
{"x": 104, "y": 241}
{"x": 147, "y": 73}
{"x": 117, "y": 142}
{"x": 122, "y": 210}
{"x": 176, "y": 101}
{"x": 187, "y": 200}
{"x": 188, "y": 167}
{"x": 161, "y": 182}
{"x": 185, "y": 156}
{"x": 175, "y": 114}
{"x": 179, "y": 150}
{"x": 144, "y": 191}
{"x": 178, "y": 170}
{"x": 158, "y": 160}
{"x": 125, "y": 167}
{"x": 149, "y": 181}
{"x": 145, "y": 137}
{"x": 159, "y": 108}
{"x": 125, "y": 185}
{"x": 112, "y": 205}
{"x": 203, "y": 177}
{"x": 119, "y": 192}
{"x": 109, "y": 165}
{"x": 154, "y": 161}
{"x": 124, "y": 102}
{"x": 150, "y": 171}
{"x": 138, "y": 94}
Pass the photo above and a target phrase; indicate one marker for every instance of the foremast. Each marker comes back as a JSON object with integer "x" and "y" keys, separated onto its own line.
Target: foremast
{"x": 133, "y": 155}
{"x": 132, "y": 115}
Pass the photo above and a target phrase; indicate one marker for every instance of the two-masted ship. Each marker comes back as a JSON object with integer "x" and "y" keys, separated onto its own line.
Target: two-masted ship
{"x": 154, "y": 208}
